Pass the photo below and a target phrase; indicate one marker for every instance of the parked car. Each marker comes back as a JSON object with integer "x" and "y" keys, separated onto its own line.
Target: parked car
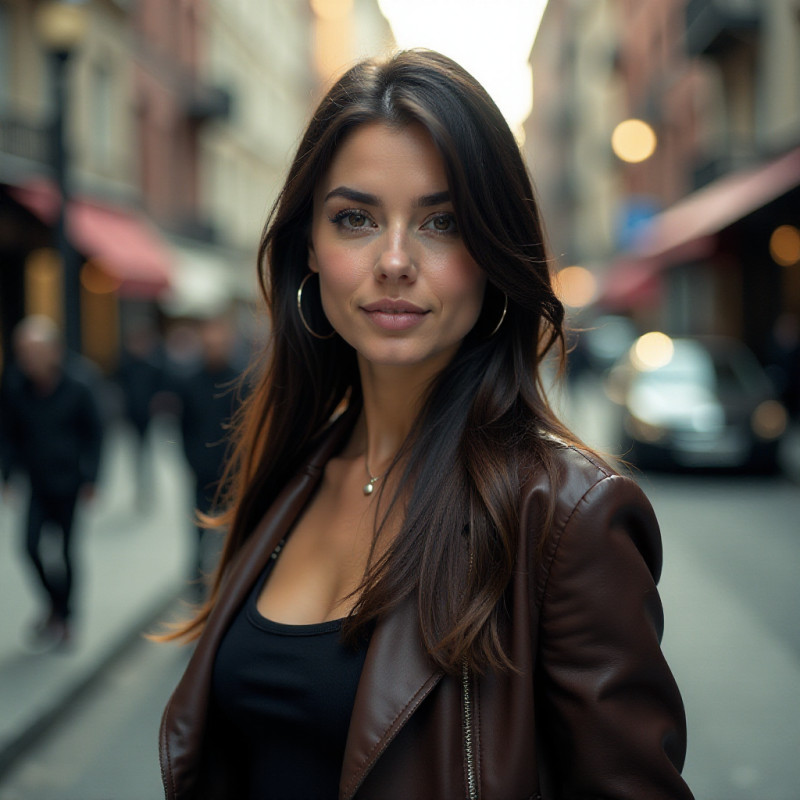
{"x": 696, "y": 403}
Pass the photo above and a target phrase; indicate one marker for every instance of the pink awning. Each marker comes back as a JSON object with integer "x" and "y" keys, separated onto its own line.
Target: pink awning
{"x": 121, "y": 241}
{"x": 684, "y": 230}
{"x": 687, "y": 231}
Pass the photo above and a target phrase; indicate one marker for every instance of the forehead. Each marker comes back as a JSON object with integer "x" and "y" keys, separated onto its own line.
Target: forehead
{"x": 376, "y": 156}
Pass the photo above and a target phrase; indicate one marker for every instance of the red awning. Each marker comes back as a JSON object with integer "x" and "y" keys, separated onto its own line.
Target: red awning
{"x": 687, "y": 230}
{"x": 121, "y": 241}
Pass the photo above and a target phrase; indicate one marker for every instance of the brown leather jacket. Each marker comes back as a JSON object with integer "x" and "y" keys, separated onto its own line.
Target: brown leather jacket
{"x": 593, "y": 712}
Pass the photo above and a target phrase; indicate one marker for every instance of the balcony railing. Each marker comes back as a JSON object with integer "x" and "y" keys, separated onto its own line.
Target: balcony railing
{"x": 24, "y": 140}
{"x": 712, "y": 25}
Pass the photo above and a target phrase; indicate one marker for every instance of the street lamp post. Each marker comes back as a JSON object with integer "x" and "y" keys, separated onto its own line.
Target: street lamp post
{"x": 61, "y": 27}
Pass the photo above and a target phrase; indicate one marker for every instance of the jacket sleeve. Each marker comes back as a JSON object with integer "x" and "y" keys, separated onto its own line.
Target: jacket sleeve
{"x": 612, "y": 719}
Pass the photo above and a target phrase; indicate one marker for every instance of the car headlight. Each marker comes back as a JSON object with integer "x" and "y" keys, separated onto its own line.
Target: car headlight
{"x": 769, "y": 420}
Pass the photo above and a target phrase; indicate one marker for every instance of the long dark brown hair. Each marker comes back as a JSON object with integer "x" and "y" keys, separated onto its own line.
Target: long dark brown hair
{"x": 485, "y": 422}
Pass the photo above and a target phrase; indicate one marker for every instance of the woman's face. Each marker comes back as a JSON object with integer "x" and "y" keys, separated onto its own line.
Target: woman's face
{"x": 396, "y": 279}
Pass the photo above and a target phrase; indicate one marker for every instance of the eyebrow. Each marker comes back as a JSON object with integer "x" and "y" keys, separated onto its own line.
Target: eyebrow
{"x": 427, "y": 200}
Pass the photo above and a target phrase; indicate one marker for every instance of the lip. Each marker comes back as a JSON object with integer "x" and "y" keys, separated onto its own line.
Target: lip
{"x": 394, "y": 315}
{"x": 389, "y": 306}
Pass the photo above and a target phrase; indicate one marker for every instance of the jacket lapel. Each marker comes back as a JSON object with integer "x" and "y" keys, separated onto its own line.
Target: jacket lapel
{"x": 397, "y": 676}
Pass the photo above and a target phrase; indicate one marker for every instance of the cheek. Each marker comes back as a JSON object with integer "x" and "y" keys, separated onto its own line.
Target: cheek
{"x": 338, "y": 263}
{"x": 466, "y": 281}
{"x": 338, "y": 280}
{"x": 337, "y": 270}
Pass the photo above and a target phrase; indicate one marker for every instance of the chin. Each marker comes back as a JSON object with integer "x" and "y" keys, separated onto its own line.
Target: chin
{"x": 407, "y": 357}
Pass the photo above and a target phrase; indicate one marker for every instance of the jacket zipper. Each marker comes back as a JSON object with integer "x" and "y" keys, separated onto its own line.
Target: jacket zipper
{"x": 469, "y": 754}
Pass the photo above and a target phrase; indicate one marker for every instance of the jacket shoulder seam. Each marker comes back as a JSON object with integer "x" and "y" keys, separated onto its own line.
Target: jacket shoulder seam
{"x": 591, "y": 458}
{"x": 605, "y": 474}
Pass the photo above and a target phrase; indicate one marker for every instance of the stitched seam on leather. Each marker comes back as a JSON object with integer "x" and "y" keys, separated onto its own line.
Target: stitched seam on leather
{"x": 605, "y": 472}
{"x": 411, "y": 704}
{"x": 600, "y": 466}
{"x": 606, "y": 476}
{"x": 165, "y": 745}
{"x": 478, "y": 729}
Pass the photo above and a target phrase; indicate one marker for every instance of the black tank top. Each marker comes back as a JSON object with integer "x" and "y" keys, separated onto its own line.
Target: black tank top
{"x": 284, "y": 694}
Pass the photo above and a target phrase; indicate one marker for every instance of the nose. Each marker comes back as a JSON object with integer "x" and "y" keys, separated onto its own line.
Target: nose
{"x": 395, "y": 262}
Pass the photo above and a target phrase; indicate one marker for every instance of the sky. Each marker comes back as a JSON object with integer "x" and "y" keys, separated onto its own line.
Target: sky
{"x": 492, "y": 39}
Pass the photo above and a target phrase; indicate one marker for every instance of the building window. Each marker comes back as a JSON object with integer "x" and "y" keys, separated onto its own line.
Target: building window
{"x": 102, "y": 111}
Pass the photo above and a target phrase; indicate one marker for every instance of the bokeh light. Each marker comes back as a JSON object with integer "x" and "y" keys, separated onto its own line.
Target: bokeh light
{"x": 576, "y": 286}
{"x": 652, "y": 351}
{"x": 769, "y": 420}
{"x": 96, "y": 280}
{"x": 61, "y": 26}
{"x": 633, "y": 141}
{"x": 784, "y": 245}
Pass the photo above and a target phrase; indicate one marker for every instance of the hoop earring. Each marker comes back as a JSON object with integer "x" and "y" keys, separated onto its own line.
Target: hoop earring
{"x": 502, "y": 316}
{"x": 300, "y": 311}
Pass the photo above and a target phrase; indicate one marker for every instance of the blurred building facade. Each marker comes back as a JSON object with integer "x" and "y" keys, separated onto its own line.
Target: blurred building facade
{"x": 180, "y": 120}
{"x": 254, "y": 77}
{"x": 578, "y": 96}
{"x": 121, "y": 254}
{"x": 702, "y": 235}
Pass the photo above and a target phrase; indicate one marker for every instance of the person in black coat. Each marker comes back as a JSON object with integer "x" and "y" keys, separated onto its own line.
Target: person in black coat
{"x": 209, "y": 398}
{"x": 51, "y": 431}
{"x": 140, "y": 377}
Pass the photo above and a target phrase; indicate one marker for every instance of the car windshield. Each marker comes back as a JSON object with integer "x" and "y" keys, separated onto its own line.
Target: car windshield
{"x": 723, "y": 369}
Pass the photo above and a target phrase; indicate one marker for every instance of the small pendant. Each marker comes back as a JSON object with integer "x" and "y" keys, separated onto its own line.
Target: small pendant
{"x": 368, "y": 487}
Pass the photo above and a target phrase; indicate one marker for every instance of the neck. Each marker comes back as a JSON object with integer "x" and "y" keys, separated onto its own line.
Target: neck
{"x": 393, "y": 397}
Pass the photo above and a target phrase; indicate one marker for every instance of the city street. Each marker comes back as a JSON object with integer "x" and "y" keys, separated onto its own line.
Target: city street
{"x": 730, "y": 594}
{"x": 106, "y": 746}
{"x": 132, "y": 557}
{"x": 621, "y": 176}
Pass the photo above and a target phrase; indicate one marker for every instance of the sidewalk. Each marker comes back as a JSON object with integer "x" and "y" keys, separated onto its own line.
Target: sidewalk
{"x": 130, "y": 565}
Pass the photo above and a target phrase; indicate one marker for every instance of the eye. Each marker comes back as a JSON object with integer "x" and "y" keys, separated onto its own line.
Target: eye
{"x": 351, "y": 219}
{"x": 356, "y": 220}
{"x": 442, "y": 223}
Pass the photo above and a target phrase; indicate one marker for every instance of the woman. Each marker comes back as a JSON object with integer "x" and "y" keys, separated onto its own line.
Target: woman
{"x": 427, "y": 590}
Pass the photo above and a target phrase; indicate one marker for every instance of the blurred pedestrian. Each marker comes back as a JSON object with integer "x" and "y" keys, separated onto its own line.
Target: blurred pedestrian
{"x": 140, "y": 377}
{"x": 52, "y": 431}
{"x": 429, "y": 589}
{"x": 208, "y": 397}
